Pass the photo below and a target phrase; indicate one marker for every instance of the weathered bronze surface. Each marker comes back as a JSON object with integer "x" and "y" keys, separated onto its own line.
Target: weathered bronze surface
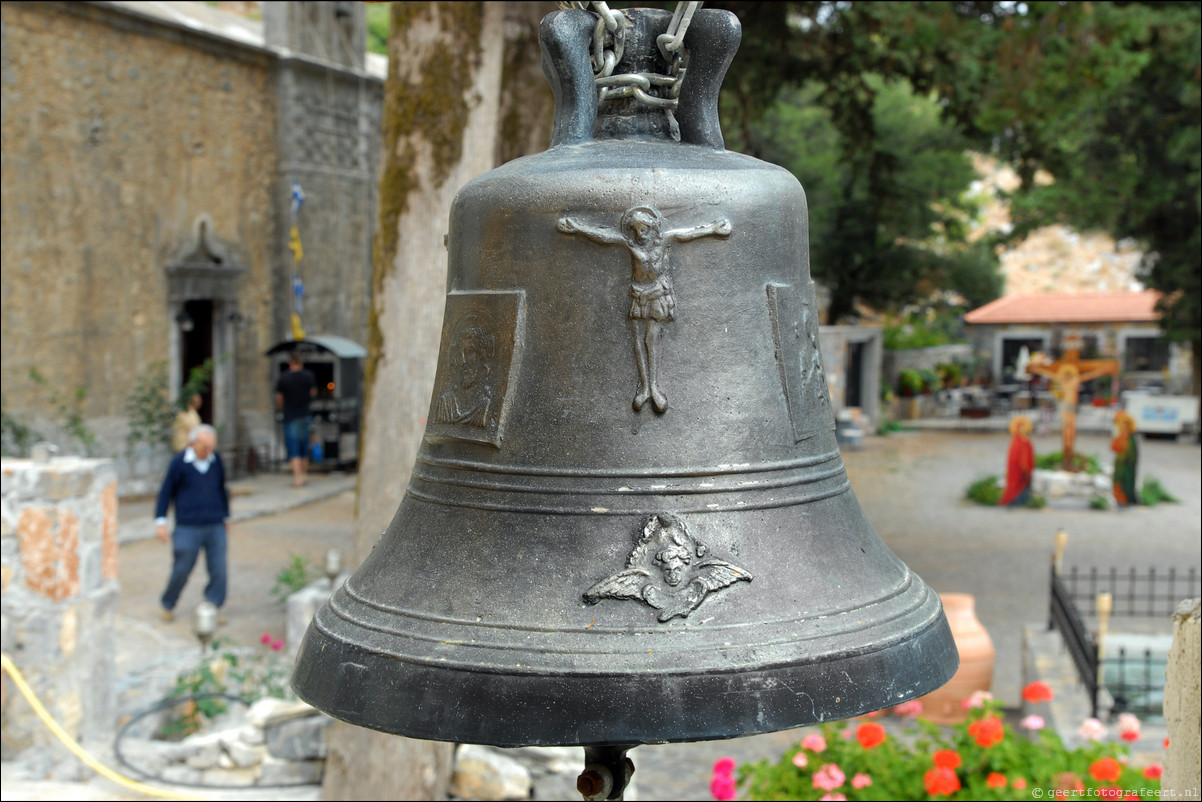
{"x": 629, "y": 521}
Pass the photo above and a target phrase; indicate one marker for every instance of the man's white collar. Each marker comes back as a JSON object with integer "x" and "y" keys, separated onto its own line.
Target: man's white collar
{"x": 201, "y": 465}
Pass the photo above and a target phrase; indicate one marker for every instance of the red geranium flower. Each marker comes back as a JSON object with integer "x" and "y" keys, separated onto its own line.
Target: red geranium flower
{"x": 1106, "y": 769}
{"x": 870, "y": 734}
{"x": 988, "y": 731}
{"x": 1129, "y": 735}
{"x": 947, "y": 759}
{"x": 996, "y": 780}
{"x": 1154, "y": 771}
{"x": 1037, "y": 692}
{"x": 941, "y": 782}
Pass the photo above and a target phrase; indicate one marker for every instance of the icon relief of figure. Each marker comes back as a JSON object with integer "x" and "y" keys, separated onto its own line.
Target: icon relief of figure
{"x": 641, "y": 230}
{"x": 468, "y": 400}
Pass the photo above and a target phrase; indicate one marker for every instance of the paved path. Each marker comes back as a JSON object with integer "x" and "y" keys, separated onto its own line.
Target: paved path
{"x": 910, "y": 484}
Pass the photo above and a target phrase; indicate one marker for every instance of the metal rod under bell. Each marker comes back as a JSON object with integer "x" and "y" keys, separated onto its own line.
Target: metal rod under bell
{"x": 607, "y": 772}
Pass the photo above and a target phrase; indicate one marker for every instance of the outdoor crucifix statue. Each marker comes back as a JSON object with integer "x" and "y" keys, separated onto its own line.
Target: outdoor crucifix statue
{"x": 1068, "y": 373}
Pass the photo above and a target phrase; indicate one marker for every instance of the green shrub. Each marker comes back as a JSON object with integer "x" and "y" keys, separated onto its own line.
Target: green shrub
{"x": 1054, "y": 461}
{"x": 292, "y": 577}
{"x": 1153, "y": 492}
{"x": 1099, "y": 503}
{"x": 1036, "y": 502}
{"x": 986, "y": 491}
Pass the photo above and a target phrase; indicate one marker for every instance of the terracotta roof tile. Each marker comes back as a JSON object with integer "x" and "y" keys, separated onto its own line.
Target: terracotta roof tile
{"x": 1069, "y": 307}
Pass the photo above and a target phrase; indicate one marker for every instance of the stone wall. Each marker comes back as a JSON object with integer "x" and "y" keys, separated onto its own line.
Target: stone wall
{"x": 58, "y": 546}
{"x": 118, "y": 134}
{"x": 121, "y": 133}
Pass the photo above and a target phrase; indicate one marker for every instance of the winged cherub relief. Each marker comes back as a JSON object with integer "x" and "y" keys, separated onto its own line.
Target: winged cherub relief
{"x": 669, "y": 570}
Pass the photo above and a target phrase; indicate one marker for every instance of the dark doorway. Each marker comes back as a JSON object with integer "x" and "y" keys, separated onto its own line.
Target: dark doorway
{"x": 853, "y": 390}
{"x": 196, "y": 346}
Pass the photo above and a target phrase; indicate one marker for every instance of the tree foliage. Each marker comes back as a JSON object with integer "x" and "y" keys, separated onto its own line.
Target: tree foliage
{"x": 1103, "y": 96}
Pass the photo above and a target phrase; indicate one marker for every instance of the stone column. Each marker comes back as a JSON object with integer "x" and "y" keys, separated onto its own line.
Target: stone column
{"x": 58, "y": 544}
{"x": 1182, "y": 700}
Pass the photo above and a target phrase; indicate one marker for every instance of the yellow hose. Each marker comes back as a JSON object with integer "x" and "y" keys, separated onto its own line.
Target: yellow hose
{"x": 75, "y": 748}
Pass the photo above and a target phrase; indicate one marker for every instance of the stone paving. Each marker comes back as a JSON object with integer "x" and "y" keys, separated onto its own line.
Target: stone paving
{"x": 910, "y": 484}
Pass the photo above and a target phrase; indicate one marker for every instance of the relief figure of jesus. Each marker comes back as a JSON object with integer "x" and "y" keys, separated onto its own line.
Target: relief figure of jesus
{"x": 641, "y": 230}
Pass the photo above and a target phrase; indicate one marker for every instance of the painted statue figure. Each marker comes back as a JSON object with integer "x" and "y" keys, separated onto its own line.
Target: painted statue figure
{"x": 1126, "y": 454}
{"x": 641, "y": 230}
{"x": 1020, "y": 463}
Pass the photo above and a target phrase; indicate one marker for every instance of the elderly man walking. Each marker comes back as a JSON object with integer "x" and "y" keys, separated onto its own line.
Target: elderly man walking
{"x": 195, "y": 484}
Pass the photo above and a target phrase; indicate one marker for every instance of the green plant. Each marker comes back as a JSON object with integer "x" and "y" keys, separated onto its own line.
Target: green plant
{"x": 292, "y": 577}
{"x": 923, "y": 330}
{"x": 981, "y": 758}
{"x": 1152, "y": 492}
{"x": 229, "y": 673}
{"x": 15, "y": 436}
{"x": 1099, "y": 503}
{"x": 909, "y": 382}
{"x": 150, "y": 409}
{"x": 986, "y": 491}
{"x": 68, "y": 409}
{"x": 1036, "y": 502}
{"x": 1054, "y": 461}
{"x": 950, "y": 373}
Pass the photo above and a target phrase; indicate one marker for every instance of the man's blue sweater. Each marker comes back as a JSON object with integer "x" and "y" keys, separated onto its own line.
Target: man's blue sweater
{"x": 201, "y": 499}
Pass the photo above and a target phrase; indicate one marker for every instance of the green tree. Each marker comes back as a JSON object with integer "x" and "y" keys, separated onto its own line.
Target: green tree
{"x": 1103, "y": 96}
{"x": 887, "y": 176}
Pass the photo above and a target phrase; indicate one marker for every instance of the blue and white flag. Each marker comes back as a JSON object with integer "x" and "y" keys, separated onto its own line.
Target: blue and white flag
{"x": 298, "y": 197}
{"x": 298, "y": 293}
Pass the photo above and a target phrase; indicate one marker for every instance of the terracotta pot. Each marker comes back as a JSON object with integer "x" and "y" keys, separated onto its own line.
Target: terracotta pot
{"x": 946, "y": 705}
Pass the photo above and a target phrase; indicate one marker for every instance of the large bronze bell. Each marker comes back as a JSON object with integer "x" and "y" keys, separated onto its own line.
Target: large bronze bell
{"x": 629, "y": 521}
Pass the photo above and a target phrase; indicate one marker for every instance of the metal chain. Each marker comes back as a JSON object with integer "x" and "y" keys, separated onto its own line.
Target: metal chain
{"x": 609, "y": 42}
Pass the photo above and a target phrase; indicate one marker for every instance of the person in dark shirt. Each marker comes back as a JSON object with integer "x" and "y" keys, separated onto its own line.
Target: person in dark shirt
{"x": 195, "y": 484}
{"x": 293, "y": 392}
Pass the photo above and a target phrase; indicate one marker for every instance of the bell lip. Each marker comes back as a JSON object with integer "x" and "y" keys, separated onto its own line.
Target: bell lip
{"x": 511, "y": 710}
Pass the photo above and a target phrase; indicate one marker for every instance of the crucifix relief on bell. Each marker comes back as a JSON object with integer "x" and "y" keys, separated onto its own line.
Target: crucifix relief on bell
{"x": 629, "y": 521}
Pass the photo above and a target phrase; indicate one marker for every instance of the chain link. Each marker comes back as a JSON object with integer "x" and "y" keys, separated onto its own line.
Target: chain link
{"x": 609, "y": 43}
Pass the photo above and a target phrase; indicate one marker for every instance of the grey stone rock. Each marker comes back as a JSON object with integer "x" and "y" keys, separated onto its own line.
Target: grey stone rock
{"x": 298, "y": 739}
{"x": 484, "y": 773}
{"x": 290, "y": 772}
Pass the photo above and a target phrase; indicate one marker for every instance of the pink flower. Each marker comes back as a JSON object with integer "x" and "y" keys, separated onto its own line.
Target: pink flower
{"x": 1033, "y": 723}
{"x": 978, "y": 699}
{"x": 1129, "y": 727}
{"x": 265, "y": 638}
{"x": 1092, "y": 730}
{"x": 861, "y": 781}
{"x": 829, "y": 777}
{"x": 814, "y": 742}
{"x": 800, "y": 760}
{"x": 910, "y": 709}
{"x": 832, "y": 797}
{"x": 722, "y": 787}
{"x": 724, "y": 766}
{"x": 276, "y": 645}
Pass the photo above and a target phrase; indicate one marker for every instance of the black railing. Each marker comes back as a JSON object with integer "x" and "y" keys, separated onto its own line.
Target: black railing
{"x": 1148, "y": 594}
{"x": 1135, "y": 681}
{"x": 1079, "y": 641}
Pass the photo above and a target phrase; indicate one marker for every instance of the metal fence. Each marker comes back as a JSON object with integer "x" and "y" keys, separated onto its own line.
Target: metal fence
{"x": 1133, "y": 678}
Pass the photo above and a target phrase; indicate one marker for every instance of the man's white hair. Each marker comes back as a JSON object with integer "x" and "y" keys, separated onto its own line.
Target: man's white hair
{"x": 201, "y": 429}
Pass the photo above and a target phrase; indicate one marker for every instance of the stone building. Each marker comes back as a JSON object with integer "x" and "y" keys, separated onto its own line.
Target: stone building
{"x": 150, "y": 151}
